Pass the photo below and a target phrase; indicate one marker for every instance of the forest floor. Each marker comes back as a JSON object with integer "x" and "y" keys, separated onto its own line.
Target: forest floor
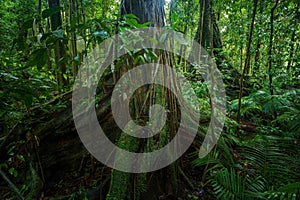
{"x": 92, "y": 182}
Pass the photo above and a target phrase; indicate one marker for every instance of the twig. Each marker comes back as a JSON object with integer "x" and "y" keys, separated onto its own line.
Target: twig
{"x": 186, "y": 178}
{"x": 11, "y": 185}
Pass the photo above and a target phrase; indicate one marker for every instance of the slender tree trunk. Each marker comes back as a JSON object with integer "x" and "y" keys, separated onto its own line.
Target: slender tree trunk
{"x": 104, "y": 8}
{"x": 82, "y": 10}
{"x": 292, "y": 42}
{"x": 187, "y": 8}
{"x": 270, "y": 59}
{"x": 247, "y": 61}
{"x": 292, "y": 46}
{"x": 241, "y": 56}
{"x": 39, "y": 7}
{"x": 73, "y": 16}
{"x": 241, "y": 44}
{"x": 59, "y": 50}
{"x": 49, "y": 51}
{"x": 259, "y": 42}
{"x": 248, "y": 51}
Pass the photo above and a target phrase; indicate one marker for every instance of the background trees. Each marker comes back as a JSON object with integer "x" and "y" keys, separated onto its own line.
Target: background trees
{"x": 255, "y": 45}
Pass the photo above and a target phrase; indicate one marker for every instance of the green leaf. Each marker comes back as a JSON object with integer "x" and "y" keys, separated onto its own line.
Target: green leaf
{"x": 101, "y": 34}
{"x": 13, "y": 172}
{"x": 38, "y": 58}
{"x": 132, "y": 16}
{"x": 51, "y": 11}
{"x": 132, "y": 22}
{"x": 27, "y": 24}
{"x": 291, "y": 188}
{"x": 28, "y": 100}
{"x": 146, "y": 24}
{"x": 76, "y": 59}
{"x": 9, "y": 76}
{"x": 45, "y": 36}
{"x": 58, "y": 33}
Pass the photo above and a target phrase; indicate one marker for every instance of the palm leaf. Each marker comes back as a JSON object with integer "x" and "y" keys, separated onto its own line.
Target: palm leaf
{"x": 287, "y": 192}
{"x": 227, "y": 184}
{"x": 268, "y": 156}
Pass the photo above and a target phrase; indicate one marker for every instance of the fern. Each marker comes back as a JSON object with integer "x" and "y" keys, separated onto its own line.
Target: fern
{"x": 266, "y": 165}
{"x": 262, "y": 167}
{"x": 228, "y": 184}
{"x": 263, "y": 102}
{"x": 248, "y": 107}
{"x": 267, "y": 155}
{"x": 288, "y": 192}
{"x": 290, "y": 119}
{"x": 275, "y": 103}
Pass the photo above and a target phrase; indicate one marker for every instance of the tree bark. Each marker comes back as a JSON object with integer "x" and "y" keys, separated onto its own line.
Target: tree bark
{"x": 258, "y": 44}
{"x": 208, "y": 35}
{"x": 292, "y": 42}
{"x": 146, "y": 11}
{"x": 130, "y": 185}
{"x": 270, "y": 59}
{"x": 73, "y": 16}
{"x": 247, "y": 62}
{"x": 59, "y": 50}
{"x": 203, "y": 35}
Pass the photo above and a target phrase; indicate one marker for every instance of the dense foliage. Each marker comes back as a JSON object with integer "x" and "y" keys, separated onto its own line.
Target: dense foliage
{"x": 257, "y": 156}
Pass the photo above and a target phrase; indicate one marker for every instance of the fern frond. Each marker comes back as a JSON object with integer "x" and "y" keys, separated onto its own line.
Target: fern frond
{"x": 228, "y": 184}
{"x": 267, "y": 155}
{"x": 276, "y": 103}
{"x": 288, "y": 192}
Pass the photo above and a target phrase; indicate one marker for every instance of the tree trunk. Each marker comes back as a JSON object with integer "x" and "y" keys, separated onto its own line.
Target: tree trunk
{"x": 51, "y": 145}
{"x": 248, "y": 50}
{"x": 270, "y": 59}
{"x": 247, "y": 61}
{"x": 292, "y": 42}
{"x": 258, "y": 44}
{"x": 203, "y": 34}
{"x": 146, "y": 11}
{"x": 73, "y": 16}
{"x": 208, "y": 35}
{"x": 59, "y": 50}
{"x": 124, "y": 185}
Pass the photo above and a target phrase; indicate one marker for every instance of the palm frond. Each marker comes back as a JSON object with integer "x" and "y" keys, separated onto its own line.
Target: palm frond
{"x": 248, "y": 106}
{"x": 289, "y": 192}
{"x": 267, "y": 155}
{"x": 275, "y": 103}
{"x": 228, "y": 184}
{"x": 290, "y": 119}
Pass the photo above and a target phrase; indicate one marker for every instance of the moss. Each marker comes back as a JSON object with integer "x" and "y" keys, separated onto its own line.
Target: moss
{"x": 120, "y": 181}
{"x": 141, "y": 185}
{"x": 119, "y": 185}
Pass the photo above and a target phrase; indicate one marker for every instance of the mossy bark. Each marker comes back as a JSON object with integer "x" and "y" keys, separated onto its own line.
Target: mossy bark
{"x": 124, "y": 185}
{"x": 120, "y": 181}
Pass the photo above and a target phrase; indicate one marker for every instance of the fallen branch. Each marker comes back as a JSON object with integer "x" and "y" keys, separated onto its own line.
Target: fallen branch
{"x": 11, "y": 185}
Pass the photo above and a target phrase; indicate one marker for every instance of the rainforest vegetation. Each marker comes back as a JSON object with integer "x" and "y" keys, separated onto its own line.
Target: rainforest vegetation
{"x": 254, "y": 44}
